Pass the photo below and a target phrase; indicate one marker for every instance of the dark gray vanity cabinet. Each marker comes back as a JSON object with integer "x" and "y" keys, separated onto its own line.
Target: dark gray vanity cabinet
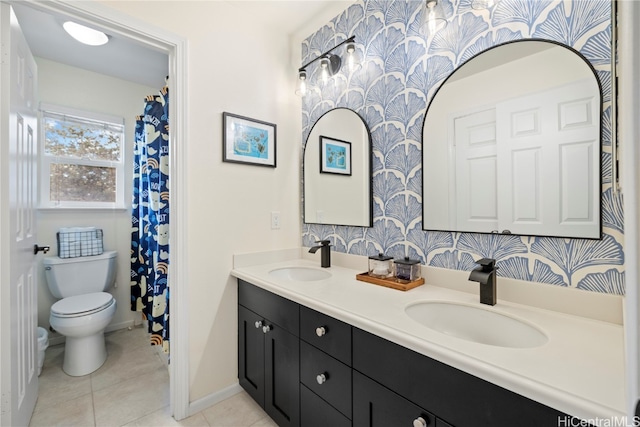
{"x": 269, "y": 352}
{"x": 311, "y": 370}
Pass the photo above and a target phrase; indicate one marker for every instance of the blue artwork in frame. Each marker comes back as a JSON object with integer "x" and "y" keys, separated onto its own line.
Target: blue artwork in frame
{"x": 248, "y": 141}
{"x": 335, "y": 156}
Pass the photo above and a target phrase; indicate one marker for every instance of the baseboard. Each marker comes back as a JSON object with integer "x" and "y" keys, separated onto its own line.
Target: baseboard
{"x": 212, "y": 399}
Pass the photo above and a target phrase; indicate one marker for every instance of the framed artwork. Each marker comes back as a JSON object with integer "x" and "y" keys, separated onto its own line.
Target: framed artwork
{"x": 248, "y": 141}
{"x": 335, "y": 156}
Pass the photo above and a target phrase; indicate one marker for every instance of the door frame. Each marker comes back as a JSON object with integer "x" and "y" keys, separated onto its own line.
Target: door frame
{"x": 115, "y": 22}
{"x": 628, "y": 133}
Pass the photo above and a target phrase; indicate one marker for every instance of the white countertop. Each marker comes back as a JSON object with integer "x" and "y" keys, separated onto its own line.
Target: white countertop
{"x": 579, "y": 371}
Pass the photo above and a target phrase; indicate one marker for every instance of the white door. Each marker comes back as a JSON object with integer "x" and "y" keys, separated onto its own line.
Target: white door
{"x": 18, "y": 162}
{"x": 548, "y": 146}
{"x": 476, "y": 172}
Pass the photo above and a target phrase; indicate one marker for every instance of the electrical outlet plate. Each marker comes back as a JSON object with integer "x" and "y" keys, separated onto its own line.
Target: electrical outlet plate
{"x": 275, "y": 220}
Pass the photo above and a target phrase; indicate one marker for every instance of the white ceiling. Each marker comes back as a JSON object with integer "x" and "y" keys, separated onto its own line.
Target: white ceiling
{"x": 128, "y": 60}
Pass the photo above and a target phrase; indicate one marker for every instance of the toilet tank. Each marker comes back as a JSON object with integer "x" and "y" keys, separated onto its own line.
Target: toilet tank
{"x": 82, "y": 275}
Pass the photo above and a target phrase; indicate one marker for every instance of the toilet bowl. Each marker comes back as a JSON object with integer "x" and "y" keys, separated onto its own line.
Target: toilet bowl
{"x": 85, "y": 310}
{"x": 82, "y": 320}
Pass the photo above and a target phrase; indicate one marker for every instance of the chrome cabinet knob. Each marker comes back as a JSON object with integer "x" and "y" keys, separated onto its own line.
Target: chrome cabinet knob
{"x": 258, "y": 324}
{"x": 266, "y": 328}
{"x": 419, "y": 422}
{"x": 320, "y": 331}
{"x": 322, "y": 378}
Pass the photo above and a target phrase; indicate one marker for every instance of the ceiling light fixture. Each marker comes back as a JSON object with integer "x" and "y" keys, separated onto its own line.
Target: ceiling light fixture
{"x": 85, "y": 35}
{"x": 330, "y": 64}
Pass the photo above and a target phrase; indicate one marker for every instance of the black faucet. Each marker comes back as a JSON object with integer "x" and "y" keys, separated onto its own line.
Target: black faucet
{"x": 325, "y": 253}
{"x": 486, "y": 276}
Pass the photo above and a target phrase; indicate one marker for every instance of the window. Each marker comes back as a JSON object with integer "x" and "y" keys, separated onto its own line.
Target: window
{"x": 82, "y": 159}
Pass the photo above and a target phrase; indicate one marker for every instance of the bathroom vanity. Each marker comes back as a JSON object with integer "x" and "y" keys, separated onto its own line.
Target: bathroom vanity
{"x": 328, "y": 350}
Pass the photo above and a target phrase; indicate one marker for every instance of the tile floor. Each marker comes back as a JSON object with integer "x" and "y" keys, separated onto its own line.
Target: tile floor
{"x": 131, "y": 389}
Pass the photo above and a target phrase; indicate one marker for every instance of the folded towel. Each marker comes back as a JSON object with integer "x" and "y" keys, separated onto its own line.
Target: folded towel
{"x": 79, "y": 241}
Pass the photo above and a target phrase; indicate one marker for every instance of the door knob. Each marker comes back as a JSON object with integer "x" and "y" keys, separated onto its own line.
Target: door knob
{"x": 37, "y": 249}
{"x": 320, "y": 331}
{"x": 258, "y": 324}
{"x": 266, "y": 328}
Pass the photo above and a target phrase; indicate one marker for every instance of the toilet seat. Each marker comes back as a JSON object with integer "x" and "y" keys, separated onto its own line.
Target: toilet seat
{"x": 82, "y": 305}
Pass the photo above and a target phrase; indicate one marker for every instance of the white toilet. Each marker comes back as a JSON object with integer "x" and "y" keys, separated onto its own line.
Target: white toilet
{"x": 85, "y": 309}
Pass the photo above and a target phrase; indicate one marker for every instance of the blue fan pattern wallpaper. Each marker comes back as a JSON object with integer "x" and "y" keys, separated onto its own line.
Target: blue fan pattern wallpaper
{"x": 401, "y": 70}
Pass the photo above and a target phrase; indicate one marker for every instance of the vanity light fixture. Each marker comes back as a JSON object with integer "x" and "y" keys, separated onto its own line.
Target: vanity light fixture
{"x": 84, "y": 34}
{"x": 434, "y": 19}
{"x": 301, "y": 90}
{"x": 483, "y": 4}
{"x": 353, "y": 60}
{"x": 330, "y": 64}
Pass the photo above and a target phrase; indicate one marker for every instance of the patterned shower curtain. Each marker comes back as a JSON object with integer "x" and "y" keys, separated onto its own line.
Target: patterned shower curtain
{"x": 150, "y": 218}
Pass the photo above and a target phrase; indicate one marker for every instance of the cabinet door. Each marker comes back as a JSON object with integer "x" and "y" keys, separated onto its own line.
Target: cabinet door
{"x": 251, "y": 354}
{"x": 282, "y": 376}
{"x": 315, "y": 412}
{"x": 377, "y": 406}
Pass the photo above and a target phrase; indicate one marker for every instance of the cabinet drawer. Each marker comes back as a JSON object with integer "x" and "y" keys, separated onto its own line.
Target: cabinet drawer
{"x": 326, "y": 333}
{"x": 336, "y": 387}
{"x": 458, "y": 397}
{"x": 377, "y": 406}
{"x": 315, "y": 412}
{"x": 281, "y": 311}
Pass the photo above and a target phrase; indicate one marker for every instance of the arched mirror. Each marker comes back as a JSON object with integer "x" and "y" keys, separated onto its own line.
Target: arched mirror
{"x": 511, "y": 144}
{"x": 337, "y": 170}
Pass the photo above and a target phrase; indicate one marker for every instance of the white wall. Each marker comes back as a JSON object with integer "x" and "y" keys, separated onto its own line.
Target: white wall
{"x": 239, "y": 66}
{"x": 85, "y": 90}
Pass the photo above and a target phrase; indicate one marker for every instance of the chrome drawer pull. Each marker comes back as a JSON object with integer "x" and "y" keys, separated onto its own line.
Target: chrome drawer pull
{"x": 320, "y": 331}
{"x": 322, "y": 378}
{"x": 419, "y": 422}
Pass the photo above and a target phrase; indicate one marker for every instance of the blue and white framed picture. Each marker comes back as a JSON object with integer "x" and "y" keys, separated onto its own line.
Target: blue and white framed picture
{"x": 335, "y": 156}
{"x": 246, "y": 140}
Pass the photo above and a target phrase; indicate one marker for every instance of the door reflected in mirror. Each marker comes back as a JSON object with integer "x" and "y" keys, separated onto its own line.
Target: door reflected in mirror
{"x": 511, "y": 143}
{"x": 337, "y": 171}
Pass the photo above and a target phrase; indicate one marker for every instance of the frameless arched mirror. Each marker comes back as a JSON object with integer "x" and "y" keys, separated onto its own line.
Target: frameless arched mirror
{"x": 511, "y": 144}
{"x": 337, "y": 170}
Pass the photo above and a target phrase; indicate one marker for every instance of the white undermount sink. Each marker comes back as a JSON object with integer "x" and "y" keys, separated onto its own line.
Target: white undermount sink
{"x": 476, "y": 324}
{"x": 300, "y": 274}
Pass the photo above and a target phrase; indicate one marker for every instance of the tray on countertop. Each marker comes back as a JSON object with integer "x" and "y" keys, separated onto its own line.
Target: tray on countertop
{"x": 390, "y": 282}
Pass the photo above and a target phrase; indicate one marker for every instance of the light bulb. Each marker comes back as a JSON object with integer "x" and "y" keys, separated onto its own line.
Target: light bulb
{"x": 483, "y": 4}
{"x": 324, "y": 65}
{"x": 352, "y": 62}
{"x": 431, "y": 20}
{"x": 302, "y": 83}
{"x": 434, "y": 17}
